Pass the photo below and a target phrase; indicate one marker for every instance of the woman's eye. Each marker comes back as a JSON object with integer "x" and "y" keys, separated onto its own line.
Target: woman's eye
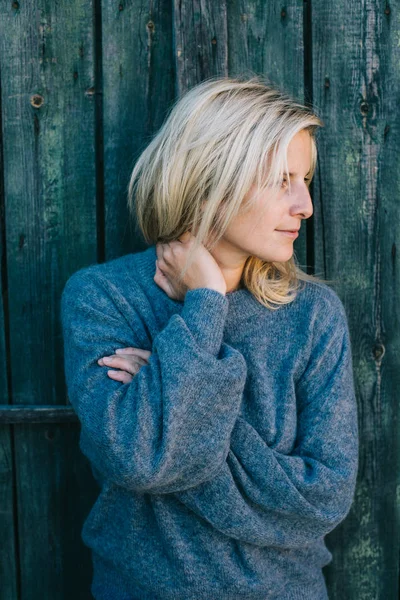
{"x": 284, "y": 181}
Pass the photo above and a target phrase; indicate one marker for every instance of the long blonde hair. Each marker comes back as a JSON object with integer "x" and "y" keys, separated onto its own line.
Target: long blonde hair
{"x": 199, "y": 166}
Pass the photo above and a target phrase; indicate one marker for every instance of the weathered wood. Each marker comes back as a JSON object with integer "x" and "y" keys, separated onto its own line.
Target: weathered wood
{"x": 8, "y": 531}
{"x": 357, "y": 216}
{"x": 37, "y": 414}
{"x": 201, "y": 49}
{"x": 138, "y": 89}
{"x": 47, "y": 69}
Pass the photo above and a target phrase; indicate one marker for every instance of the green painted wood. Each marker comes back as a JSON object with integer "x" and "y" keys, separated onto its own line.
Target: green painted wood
{"x": 201, "y": 49}
{"x": 31, "y": 413}
{"x": 48, "y": 116}
{"x": 8, "y": 557}
{"x": 8, "y": 531}
{"x": 357, "y": 216}
{"x": 138, "y": 88}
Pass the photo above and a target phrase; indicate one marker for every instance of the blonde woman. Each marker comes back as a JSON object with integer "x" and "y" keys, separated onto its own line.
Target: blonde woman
{"x": 211, "y": 376}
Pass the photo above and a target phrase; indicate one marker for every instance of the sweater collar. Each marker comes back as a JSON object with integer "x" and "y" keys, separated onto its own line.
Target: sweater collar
{"x": 242, "y": 303}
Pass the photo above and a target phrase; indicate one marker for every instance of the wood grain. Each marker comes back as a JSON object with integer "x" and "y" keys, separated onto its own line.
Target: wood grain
{"x": 48, "y": 123}
{"x": 357, "y": 216}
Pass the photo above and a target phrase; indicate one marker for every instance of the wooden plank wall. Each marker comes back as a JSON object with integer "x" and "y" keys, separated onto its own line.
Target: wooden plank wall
{"x": 84, "y": 84}
{"x": 49, "y": 229}
{"x": 356, "y": 231}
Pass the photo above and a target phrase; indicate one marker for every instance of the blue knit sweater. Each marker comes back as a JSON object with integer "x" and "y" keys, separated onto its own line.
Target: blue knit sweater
{"x": 230, "y": 455}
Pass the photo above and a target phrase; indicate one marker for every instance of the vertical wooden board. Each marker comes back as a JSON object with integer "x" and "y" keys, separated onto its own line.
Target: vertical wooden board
{"x": 55, "y": 502}
{"x": 356, "y": 84}
{"x": 46, "y": 54}
{"x": 138, "y": 89}
{"x": 8, "y": 558}
{"x": 200, "y": 42}
{"x": 8, "y": 533}
{"x": 266, "y": 39}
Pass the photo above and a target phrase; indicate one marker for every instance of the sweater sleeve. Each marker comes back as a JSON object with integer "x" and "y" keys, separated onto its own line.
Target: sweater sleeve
{"x": 267, "y": 498}
{"x": 169, "y": 428}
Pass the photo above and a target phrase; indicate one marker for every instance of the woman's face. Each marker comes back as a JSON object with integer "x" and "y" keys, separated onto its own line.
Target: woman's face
{"x": 255, "y": 232}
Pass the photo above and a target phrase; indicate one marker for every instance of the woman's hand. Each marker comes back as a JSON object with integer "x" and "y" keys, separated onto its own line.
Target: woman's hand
{"x": 128, "y": 360}
{"x": 203, "y": 272}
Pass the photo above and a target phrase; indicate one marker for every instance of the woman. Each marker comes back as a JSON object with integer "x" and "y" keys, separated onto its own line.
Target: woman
{"x": 215, "y": 393}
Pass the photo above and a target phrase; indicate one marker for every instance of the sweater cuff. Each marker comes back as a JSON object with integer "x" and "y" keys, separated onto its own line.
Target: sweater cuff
{"x": 204, "y": 312}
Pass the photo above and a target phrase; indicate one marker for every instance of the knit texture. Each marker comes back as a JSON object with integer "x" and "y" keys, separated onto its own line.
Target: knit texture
{"x": 230, "y": 455}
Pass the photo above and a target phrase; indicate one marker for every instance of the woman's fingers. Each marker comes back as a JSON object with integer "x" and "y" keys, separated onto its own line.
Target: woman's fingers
{"x": 120, "y": 376}
{"x": 131, "y": 357}
{"x": 145, "y": 354}
{"x": 163, "y": 282}
{"x": 131, "y": 365}
{"x": 129, "y": 360}
{"x": 174, "y": 291}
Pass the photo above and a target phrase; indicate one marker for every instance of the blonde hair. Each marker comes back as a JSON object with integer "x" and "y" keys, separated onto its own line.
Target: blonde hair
{"x": 197, "y": 169}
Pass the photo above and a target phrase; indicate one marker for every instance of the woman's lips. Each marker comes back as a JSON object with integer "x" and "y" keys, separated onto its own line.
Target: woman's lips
{"x": 292, "y": 234}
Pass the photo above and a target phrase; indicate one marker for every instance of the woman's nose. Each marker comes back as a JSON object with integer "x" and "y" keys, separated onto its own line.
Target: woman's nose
{"x": 304, "y": 203}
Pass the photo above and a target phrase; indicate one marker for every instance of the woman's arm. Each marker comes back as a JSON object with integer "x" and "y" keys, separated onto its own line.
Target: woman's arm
{"x": 266, "y": 498}
{"x": 168, "y": 429}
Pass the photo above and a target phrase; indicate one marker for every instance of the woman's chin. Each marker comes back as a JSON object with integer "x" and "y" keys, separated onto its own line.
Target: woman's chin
{"x": 281, "y": 255}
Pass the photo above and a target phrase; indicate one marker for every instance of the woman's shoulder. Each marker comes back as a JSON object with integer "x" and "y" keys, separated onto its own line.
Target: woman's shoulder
{"x": 112, "y": 294}
{"x": 122, "y": 272}
{"x": 319, "y": 294}
{"x": 122, "y": 286}
{"x": 321, "y": 306}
